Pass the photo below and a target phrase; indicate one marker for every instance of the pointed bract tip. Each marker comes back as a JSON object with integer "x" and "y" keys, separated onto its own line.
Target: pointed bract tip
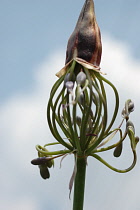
{"x": 85, "y": 41}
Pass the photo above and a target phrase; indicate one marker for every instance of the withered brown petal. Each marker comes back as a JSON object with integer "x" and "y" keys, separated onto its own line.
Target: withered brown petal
{"x": 85, "y": 41}
{"x": 81, "y": 62}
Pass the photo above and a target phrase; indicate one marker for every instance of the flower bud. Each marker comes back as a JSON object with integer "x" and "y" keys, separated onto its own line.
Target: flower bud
{"x": 68, "y": 77}
{"x": 129, "y": 107}
{"x": 85, "y": 41}
{"x": 81, "y": 78}
{"x": 69, "y": 85}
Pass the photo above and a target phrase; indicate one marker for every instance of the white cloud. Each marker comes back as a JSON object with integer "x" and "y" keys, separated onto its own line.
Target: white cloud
{"x": 18, "y": 204}
{"x": 23, "y": 124}
{"x": 119, "y": 65}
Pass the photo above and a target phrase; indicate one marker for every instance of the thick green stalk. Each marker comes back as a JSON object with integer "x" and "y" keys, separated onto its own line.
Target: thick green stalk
{"x": 79, "y": 184}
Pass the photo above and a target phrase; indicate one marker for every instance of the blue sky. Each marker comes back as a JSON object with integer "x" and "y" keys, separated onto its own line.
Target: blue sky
{"x": 33, "y": 39}
{"x": 31, "y": 30}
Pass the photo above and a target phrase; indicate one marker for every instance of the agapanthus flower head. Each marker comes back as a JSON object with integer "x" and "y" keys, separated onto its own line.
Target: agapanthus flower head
{"x": 77, "y": 110}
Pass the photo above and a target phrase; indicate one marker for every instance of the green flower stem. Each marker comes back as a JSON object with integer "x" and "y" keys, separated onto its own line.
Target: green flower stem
{"x": 79, "y": 183}
{"x": 86, "y": 113}
{"x": 116, "y": 98}
{"x": 42, "y": 150}
{"x": 51, "y": 107}
{"x": 50, "y": 144}
{"x": 115, "y": 169}
{"x": 74, "y": 135}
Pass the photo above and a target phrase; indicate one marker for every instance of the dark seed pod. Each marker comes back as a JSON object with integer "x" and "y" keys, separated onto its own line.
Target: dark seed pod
{"x": 44, "y": 172}
{"x": 43, "y": 160}
{"x": 39, "y": 161}
{"x": 118, "y": 150}
{"x": 35, "y": 161}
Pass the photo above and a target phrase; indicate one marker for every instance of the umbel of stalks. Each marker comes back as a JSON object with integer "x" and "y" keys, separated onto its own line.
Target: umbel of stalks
{"x": 77, "y": 110}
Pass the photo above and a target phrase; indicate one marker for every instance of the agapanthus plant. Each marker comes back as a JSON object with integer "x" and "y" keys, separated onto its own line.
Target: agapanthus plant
{"x": 77, "y": 110}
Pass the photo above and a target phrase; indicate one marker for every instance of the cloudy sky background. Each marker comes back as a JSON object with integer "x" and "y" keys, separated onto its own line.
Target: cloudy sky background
{"x": 33, "y": 39}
